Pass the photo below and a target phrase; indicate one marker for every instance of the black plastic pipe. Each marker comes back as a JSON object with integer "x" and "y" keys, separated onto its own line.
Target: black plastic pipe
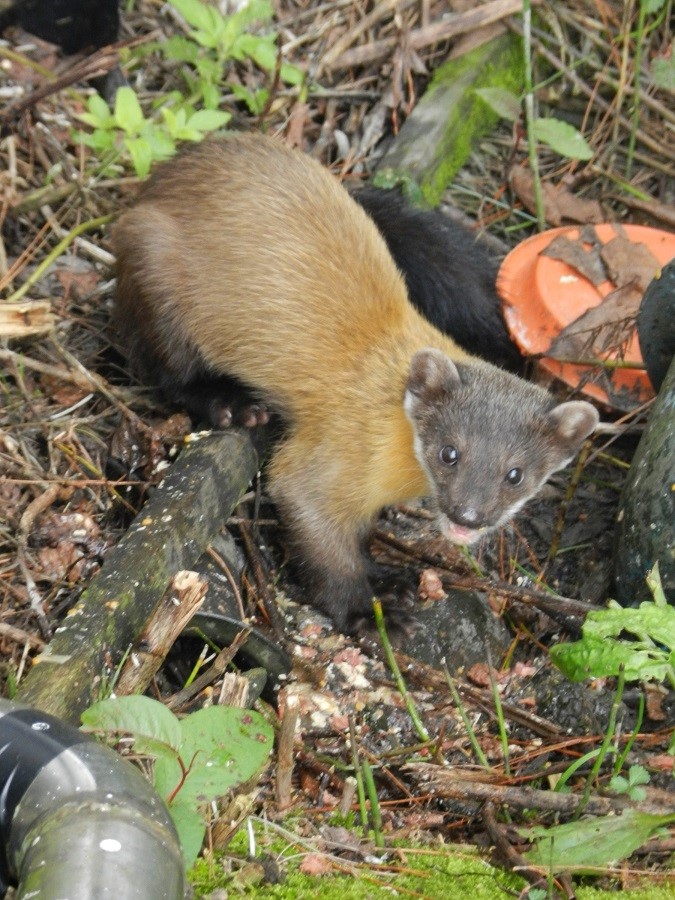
{"x": 76, "y": 820}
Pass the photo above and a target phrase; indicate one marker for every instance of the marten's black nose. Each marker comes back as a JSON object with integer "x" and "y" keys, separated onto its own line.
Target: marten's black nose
{"x": 467, "y": 517}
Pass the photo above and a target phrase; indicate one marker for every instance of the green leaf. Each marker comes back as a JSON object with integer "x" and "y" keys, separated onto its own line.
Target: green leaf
{"x": 563, "y": 138}
{"x": 209, "y": 119}
{"x": 599, "y": 658}
{"x": 160, "y": 143}
{"x": 141, "y": 155}
{"x": 221, "y": 747}
{"x": 291, "y": 74}
{"x": 135, "y": 715}
{"x": 211, "y": 95}
{"x": 648, "y": 620}
{"x": 651, "y": 655}
{"x": 263, "y": 51}
{"x": 578, "y": 846}
{"x": 95, "y": 122}
{"x": 254, "y": 11}
{"x": 100, "y": 110}
{"x": 180, "y": 49}
{"x": 501, "y": 101}
{"x": 128, "y": 112}
{"x": 652, "y": 6}
{"x": 663, "y": 70}
{"x": 190, "y": 826}
{"x": 199, "y": 15}
{"x": 638, "y": 775}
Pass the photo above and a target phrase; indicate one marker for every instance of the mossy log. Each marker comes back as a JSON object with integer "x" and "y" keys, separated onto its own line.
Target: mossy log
{"x": 645, "y": 530}
{"x": 170, "y": 533}
{"x": 441, "y": 132}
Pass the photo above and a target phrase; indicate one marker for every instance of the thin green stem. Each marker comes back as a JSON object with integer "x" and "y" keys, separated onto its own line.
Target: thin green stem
{"x": 529, "y": 115}
{"x": 422, "y": 732}
{"x": 604, "y": 747}
{"x": 62, "y": 245}
{"x": 477, "y": 749}
{"x": 358, "y": 773}
{"x": 375, "y": 814}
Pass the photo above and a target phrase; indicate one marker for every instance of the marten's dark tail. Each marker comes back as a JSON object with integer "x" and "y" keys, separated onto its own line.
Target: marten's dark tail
{"x": 449, "y": 274}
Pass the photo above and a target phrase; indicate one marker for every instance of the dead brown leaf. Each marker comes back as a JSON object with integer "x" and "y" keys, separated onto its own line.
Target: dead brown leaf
{"x": 587, "y": 262}
{"x": 601, "y": 329}
{"x": 316, "y": 864}
{"x": 560, "y": 204}
{"x": 629, "y": 263}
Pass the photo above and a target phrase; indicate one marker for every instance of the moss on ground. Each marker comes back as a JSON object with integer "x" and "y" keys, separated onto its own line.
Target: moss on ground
{"x": 447, "y": 873}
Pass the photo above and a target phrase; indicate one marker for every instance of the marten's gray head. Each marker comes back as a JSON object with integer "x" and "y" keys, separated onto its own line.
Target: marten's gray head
{"x": 487, "y": 439}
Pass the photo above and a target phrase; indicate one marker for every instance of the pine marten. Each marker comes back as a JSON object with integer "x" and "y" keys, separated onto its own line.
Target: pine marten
{"x": 243, "y": 258}
{"x": 450, "y": 276}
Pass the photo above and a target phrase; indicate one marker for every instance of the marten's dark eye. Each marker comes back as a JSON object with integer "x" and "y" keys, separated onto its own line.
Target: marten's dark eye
{"x": 515, "y": 476}
{"x": 449, "y": 455}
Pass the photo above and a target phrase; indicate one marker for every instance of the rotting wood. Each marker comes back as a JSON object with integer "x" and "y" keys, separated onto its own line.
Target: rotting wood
{"x": 169, "y": 534}
{"x": 438, "y": 136}
{"x": 285, "y": 755}
{"x": 178, "y": 604}
{"x": 215, "y": 670}
{"x": 29, "y": 318}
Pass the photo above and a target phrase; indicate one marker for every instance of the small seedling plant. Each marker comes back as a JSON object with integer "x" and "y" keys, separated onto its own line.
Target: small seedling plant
{"x": 195, "y": 759}
{"x": 634, "y": 645}
{"x": 215, "y": 41}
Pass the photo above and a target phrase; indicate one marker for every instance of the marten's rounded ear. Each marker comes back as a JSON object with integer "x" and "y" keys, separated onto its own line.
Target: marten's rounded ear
{"x": 431, "y": 372}
{"x": 573, "y": 422}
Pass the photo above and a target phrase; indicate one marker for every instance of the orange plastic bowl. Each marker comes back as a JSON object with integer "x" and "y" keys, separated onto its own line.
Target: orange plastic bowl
{"x": 543, "y": 295}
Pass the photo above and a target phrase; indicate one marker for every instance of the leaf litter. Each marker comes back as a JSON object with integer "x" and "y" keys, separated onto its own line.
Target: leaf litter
{"x": 72, "y": 418}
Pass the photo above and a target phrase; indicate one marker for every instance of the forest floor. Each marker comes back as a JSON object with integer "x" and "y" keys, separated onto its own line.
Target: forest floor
{"x": 75, "y": 466}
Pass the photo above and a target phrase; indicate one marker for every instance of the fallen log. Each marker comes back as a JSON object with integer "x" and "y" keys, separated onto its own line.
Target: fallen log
{"x": 169, "y": 534}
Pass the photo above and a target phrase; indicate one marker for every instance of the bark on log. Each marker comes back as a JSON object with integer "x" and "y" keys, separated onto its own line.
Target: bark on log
{"x": 438, "y": 136}
{"x": 645, "y": 531}
{"x": 169, "y": 534}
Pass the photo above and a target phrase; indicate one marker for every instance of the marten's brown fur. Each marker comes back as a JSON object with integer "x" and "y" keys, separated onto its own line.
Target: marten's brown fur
{"x": 244, "y": 258}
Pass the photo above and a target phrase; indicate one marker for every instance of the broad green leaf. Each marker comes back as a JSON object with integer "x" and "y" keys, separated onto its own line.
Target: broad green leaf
{"x": 181, "y": 49}
{"x": 263, "y": 51}
{"x": 254, "y": 11}
{"x": 94, "y": 121}
{"x": 562, "y": 137}
{"x": 100, "y": 110}
{"x": 135, "y": 715}
{"x": 128, "y": 112}
{"x": 160, "y": 143}
{"x": 652, "y": 6}
{"x": 141, "y": 155}
{"x": 648, "y": 620}
{"x": 594, "y": 657}
{"x": 221, "y": 747}
{"x": 291, "y": 74}
{"x": 190, "y": 826}
{"x": 101, "y": 141}
{"x": 501, "y": 101}
{"x": 663, "y": 70}
{"x": 200, "y": 15}
{"x": 577, "y": 846}
{"x": 255, "y": 100}
{"x": 211, "y": 95}
{"x": 209, "y": 119}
